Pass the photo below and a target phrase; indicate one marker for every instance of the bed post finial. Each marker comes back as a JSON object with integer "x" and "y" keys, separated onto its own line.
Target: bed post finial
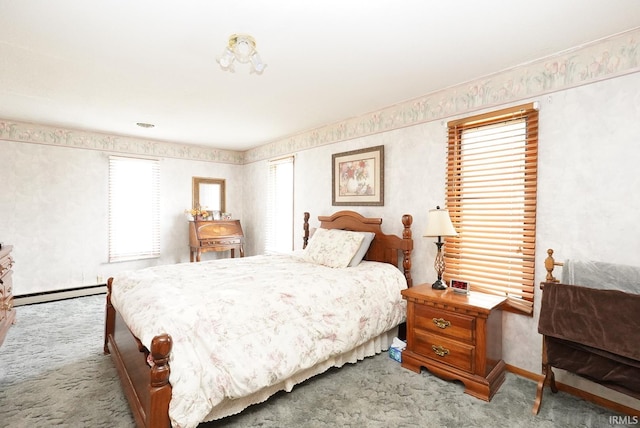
{"x": 305, "y": 238}
{"x": 549, "y": 263}
{"x": 159, "y": 386}
{"x": 407, "y": 220}
{"x": 160, "y": 349}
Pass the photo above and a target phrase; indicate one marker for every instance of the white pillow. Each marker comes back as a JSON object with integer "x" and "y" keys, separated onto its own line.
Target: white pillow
{"x": 364, "y": 247}
{"x": 333, "y": 247}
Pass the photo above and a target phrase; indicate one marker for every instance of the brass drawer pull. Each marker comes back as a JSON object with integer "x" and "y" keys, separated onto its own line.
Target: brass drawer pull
{"x": 440, "y": 350}
{"x": 441, "y": 322}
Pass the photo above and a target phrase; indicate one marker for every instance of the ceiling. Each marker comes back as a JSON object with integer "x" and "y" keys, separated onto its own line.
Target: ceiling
{"x": 103, "y": 66}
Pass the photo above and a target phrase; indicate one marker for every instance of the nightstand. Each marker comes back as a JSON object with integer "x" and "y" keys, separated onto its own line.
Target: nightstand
{"x": 456, "y": 337}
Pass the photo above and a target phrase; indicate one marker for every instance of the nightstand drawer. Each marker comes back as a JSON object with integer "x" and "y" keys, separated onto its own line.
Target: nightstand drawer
{"x": 445, "y": 323}
{"x": 447, "y": 351}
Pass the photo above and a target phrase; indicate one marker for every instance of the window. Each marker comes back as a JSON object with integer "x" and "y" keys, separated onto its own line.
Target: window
{"x": 280, "y": 205}
{"x": 491, "y": 197}
{"x": 134, "y": 208}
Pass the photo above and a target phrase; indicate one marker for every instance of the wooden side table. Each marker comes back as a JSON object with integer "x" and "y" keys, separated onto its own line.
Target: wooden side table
{"x": 456, "y": 337}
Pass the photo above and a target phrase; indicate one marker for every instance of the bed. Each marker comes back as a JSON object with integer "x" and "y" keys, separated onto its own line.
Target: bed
{"x": 214, "y": 360}
{"x": 588, "y": 321}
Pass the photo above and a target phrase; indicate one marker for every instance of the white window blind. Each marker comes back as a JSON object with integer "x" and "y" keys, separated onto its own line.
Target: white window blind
{"x": 491, "y": 197}
{"x": 279, "y": 227}
{"x": 134, "y": 208}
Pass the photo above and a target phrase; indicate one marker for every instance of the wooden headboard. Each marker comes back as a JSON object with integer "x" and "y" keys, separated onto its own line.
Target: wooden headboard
{"x": 384, "y": 248}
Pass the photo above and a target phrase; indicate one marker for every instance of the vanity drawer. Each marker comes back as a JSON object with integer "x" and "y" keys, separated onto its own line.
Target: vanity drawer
{"x": 5, "y": 264}
{"x": 6, "y": 282}
{"x": 222, "y": 241}
{"x": 444, "y": 323}
{"x": 6, "y": 305}
{"x": 6, "y": 293}
{"x": 451, "y": 352}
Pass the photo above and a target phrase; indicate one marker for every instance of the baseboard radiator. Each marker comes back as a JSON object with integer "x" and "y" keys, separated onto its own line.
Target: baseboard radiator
{"x": 51, "y": 296}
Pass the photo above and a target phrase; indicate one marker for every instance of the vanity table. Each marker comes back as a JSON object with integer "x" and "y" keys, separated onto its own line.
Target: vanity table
{"x": 215, "y": 235}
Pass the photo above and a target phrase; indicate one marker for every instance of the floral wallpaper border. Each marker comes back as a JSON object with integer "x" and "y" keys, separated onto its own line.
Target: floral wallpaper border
{"x": 610, "y": 57}
{"x": 56, "y": 136}
{"x": 606, "y": 58}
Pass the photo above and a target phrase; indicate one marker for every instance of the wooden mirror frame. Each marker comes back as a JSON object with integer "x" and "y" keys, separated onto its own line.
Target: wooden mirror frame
{"x": 197, "y": 181}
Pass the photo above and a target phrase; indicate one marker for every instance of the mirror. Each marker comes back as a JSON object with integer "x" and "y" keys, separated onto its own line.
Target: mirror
{"x": 208, "y": 194}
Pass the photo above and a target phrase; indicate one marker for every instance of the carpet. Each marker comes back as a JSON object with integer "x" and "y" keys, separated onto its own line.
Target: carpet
{"x": 53, "y": 373}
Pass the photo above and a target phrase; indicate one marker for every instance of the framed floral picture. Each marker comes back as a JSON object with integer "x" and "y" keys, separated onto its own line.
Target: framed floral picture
{"x": 358, "y": 177}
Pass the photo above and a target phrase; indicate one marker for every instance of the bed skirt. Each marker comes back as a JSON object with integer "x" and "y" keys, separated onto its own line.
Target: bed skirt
{"x": 374, "y": 346}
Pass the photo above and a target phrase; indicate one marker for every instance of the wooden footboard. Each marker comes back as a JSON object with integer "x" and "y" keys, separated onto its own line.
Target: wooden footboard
{"x": 146, "y": 387}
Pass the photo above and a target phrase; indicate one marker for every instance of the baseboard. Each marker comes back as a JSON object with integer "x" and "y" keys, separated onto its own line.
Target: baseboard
{"x": 50, "y": 296}
{"x": 596, "y": 399}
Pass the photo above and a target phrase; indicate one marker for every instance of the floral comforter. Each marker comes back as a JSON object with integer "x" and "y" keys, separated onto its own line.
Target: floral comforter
{"x": 240, "y": 325}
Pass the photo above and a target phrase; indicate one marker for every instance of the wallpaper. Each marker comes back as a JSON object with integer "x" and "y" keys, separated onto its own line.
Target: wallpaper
{"x": 599, "y": 60}
{"x": 606, "y": 58}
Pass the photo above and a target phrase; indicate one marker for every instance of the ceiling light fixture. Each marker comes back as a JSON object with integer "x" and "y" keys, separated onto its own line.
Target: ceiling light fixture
{"x": 145, "y": 125}
{"x": 241, "y": 48}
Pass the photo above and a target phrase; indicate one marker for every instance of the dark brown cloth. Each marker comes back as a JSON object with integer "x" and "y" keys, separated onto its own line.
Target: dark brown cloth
{"x": 611, "y": 370}
{"x": 608, "y": 320}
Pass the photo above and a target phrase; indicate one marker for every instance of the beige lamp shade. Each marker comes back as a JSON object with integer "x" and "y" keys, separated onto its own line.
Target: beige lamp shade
{"x": 439, "y": 224}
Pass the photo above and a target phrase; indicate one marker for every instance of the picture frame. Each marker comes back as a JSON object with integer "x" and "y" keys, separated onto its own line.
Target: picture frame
{"x": 459, "y": 286}
{"x": 357, "y": 177}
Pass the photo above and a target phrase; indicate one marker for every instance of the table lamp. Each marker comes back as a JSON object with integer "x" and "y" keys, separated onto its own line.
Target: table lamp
{"x": 439, "y": 224}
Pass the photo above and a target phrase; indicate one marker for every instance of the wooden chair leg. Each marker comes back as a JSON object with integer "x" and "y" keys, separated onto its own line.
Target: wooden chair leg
{"x": 552, "y": 382}
{"x": 548, "y": 378}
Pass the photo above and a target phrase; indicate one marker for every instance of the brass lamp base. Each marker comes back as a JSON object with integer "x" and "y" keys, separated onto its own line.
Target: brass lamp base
{"x": 439, "y": 285}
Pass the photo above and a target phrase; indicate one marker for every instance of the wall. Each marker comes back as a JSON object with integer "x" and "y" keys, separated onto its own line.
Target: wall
{"x": 587, "y": 206}
{"x": 53, "y": 209}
